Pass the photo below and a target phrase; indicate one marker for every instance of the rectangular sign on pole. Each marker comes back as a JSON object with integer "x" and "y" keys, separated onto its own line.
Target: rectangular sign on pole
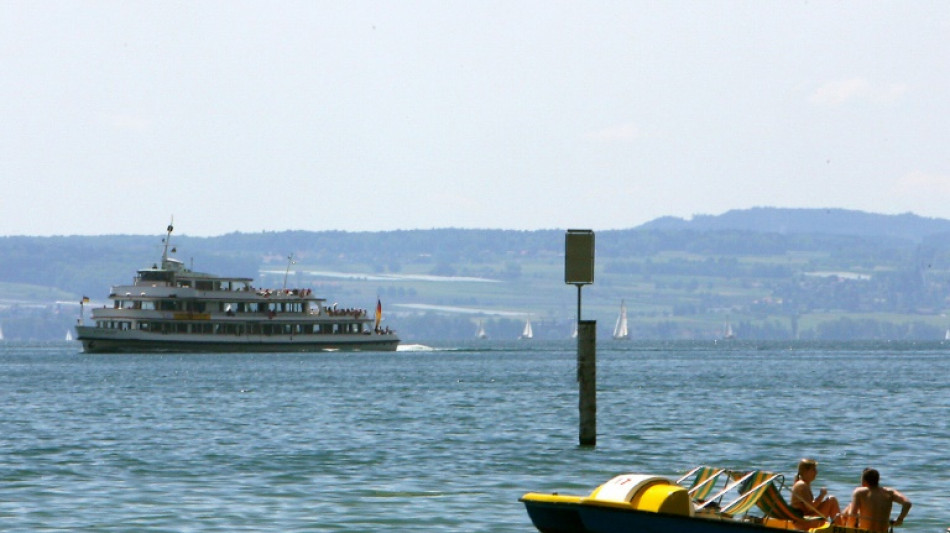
{"x": 579, "y": 257}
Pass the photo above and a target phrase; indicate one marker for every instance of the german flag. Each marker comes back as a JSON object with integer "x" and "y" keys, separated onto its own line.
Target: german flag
{"x": 379, "y": 313}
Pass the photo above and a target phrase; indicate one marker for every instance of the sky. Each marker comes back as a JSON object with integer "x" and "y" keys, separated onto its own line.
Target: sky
{"x": 373, "y": 116}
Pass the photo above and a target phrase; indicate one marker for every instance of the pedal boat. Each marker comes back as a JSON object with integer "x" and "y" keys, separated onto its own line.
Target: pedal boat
{"x": 637, "y": 503}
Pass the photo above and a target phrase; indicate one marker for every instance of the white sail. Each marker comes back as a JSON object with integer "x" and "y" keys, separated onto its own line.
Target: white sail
{"x": 729, "y": 334}
{"x": 620, "y": 328}
{"x": 480, "y": 334}
{"x": 574, "y": 330}
{"x": 69, "y": 335}
{"x": 946, "y": 336}
{"x": 527, "y": 333}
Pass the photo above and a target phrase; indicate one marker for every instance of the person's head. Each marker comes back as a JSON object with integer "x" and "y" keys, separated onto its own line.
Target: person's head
{"x": 870, "y": 477}
{"x": 806, "y": 466}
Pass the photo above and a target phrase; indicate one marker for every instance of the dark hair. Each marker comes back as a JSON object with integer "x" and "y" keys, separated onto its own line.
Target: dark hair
{"x": 871, "y": 476}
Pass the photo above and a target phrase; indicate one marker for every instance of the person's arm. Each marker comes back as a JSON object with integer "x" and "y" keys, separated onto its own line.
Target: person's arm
{"x": 898, "y": 497}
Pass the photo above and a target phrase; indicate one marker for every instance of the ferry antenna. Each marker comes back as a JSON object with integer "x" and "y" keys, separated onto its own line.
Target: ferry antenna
{"x": 290, "y": 261}
{"x": 167, "y": 239}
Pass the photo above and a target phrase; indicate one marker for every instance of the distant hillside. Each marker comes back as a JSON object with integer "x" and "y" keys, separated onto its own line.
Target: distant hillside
{"x": 767, "y": 273}
{"x": 810, "y": 221}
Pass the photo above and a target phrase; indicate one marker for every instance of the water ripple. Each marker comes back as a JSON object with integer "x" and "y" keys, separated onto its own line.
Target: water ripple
{"x": 443, "y": 439}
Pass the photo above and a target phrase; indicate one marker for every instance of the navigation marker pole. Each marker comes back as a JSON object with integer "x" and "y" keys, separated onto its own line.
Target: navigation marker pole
{"x": 579, "y": 270}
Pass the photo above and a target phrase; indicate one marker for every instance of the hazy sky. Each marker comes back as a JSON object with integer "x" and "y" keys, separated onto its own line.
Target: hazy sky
{"x": 348, "y": 115}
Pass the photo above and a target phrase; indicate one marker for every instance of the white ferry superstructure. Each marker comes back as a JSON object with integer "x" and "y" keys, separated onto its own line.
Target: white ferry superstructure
{"x": 169, "y": 308}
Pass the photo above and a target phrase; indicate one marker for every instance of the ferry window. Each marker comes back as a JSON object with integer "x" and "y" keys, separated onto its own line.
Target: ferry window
{"x": 156, "y": 276}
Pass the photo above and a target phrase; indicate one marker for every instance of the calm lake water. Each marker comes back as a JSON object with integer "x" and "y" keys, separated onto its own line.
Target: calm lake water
{"x": 445, "y": 437}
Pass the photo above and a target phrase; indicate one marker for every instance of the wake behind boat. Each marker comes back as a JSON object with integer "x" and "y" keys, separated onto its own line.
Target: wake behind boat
{"x": 170, "y": 308}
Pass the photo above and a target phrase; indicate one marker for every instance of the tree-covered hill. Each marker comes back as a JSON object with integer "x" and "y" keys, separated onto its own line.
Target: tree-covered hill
{"x": 811, "y": 221}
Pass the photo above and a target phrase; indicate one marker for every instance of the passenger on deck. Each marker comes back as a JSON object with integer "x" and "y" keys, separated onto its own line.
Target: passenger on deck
{"x": 804, "y": 500}
{"x": 871, "y": 504}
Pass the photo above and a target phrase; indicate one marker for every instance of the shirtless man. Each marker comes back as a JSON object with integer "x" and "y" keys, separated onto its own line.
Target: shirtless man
{"x": 871, "y": 503}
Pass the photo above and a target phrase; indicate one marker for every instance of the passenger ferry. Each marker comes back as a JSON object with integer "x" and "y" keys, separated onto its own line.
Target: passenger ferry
{"x": 170, "y": 308}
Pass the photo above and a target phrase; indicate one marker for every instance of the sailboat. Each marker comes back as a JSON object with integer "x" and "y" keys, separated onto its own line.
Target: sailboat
{"x": 620, "y": 328}
{"x": 527, "y": 333}
{"x": 729, "y": 334}
{"x": 69, "y": 335}
{"x": 574, "y": 330}
{"x": 480, "y": 334}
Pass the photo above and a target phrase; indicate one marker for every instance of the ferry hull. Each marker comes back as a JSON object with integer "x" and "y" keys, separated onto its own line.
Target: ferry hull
{"x": 95, "y": 340}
